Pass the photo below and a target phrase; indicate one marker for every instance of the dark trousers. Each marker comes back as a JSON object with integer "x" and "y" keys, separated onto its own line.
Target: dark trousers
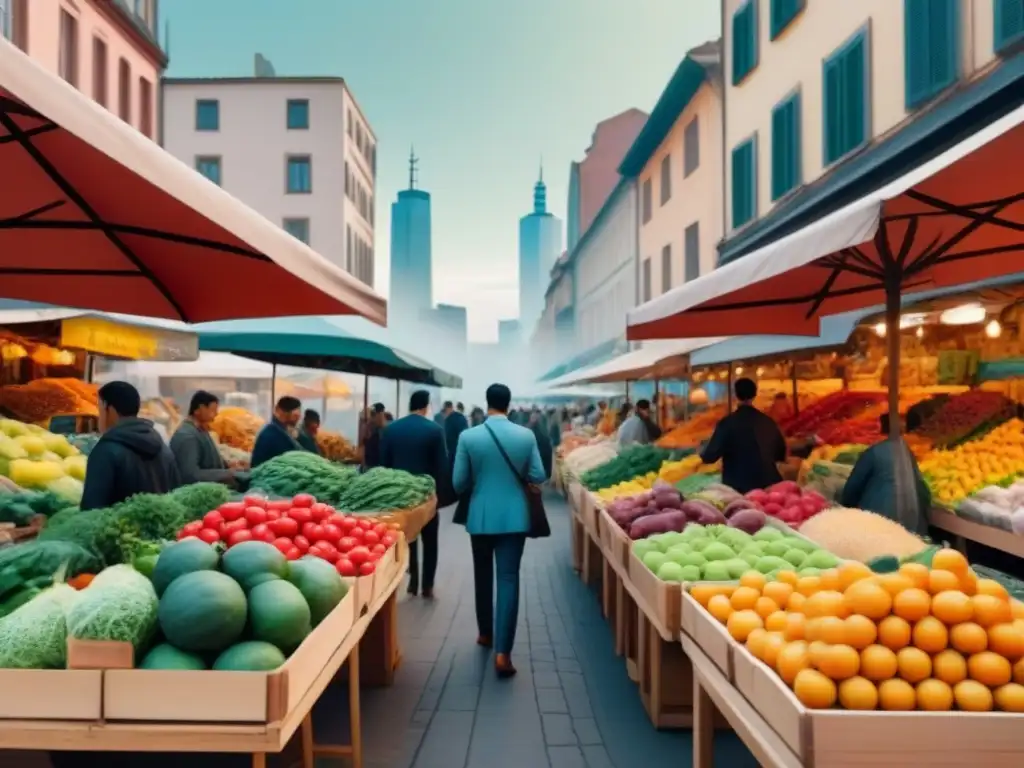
{"x": 429, "y": 538}
{"x": 501, "y": 552}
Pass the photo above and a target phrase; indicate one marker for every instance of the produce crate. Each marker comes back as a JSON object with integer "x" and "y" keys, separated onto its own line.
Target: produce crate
{"x": 614, "y": 541}
{"x": 627, "y": 628}
{"x": 51, "y": 694}
{"x": 822, "y": 738}
{"x": 221, "y": 697}
{"x": 660, "y": 598}
{"x": 666, "y": 678}
{"x": 710, "y": 635}
{"x": 589, "y": 514}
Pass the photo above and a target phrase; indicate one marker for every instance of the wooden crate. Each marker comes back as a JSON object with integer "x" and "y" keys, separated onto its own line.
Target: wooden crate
{"x": 220, "y": 697}
{"x": 51, "y": 694}
{"x": 577, "y": 538}
{"x": 610, "y": 578}
{"x": 627, "y": 628}
{"x": 660, "y": 598}
{"x": 710, "y": 635}
{"x": 575, "y": 495}
{"x": 840, "y": 739}
{"x": 590, "y": 569}
{"x": 589, "y": 514}
{"x": 614, "y": 541}
{"x": 666, "y": 678}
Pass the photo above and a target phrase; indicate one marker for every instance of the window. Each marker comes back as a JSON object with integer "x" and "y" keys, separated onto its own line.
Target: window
{"x": 99, "y": 71}
{"x": 298, "y": 228}
{"x": 298, "y": 114}
{"x": 645, "y": 285}
{"x": 691, "y": 147}
{"x": 67, "y": 65}
{"x": 666, "y": 268}
{"x": 846, "y": 98}
{"x": 786, "y": 146}
{"x": 348, "y": 249}
{"x": 146, "y": 107}
{"x": 691, "y": 258}
{"x": 666, "y": 179}
{"x": 931, "y": 30}
{"x": 744, "y": 182}
{"x": 300, "y": 175}
{"x": 782, "y": 14}
{"x": 1009, "y": 23}
{"x": 6, "y": 19}
{"x": 124, "y": 90}
{"x": 209, "y": 167}
{"x": 207, "y": 115}
{"x": 744, "y": 41}
{"x": 646, "y": 202}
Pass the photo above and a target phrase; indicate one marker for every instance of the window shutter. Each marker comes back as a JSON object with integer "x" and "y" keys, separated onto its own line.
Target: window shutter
{"x": 737, "y": 187}
{"x": 916, "y": 59}
{"x": 1009, "y": 23}
{"x": 778, "y": 151}
{"x": 943, "y": 51}
{"x": 854, "y": 71}
{"x": 833, "y": 112}
{"x": 739, "y": 41}
{"x": 743, "y": 184}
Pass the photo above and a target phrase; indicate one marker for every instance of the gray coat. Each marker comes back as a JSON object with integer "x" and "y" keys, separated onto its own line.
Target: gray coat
{"x": 197, "y": 456}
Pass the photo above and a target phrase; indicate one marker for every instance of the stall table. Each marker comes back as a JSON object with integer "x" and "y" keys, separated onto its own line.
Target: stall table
{"x": 961, "y": 529}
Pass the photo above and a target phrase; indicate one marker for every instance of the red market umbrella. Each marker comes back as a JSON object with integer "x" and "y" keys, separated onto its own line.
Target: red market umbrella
{"x": 95, "y": 215}
{"x": 956, "y": 219}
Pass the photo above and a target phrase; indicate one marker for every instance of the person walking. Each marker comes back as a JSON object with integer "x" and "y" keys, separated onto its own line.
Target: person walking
{"x": 195, "y": 452}
{"x": 454, "y": 426}
{"x": 493, "y": 463}
{"x": 416, "y": 444}
{"x": 539, "y": 426}
{"x": 446, "y": 409}
{"x": 279, "y": 435}
{"x": 307, "y": 432}
{"x": 372, "y": 430}
{"x": 476, "y": 416}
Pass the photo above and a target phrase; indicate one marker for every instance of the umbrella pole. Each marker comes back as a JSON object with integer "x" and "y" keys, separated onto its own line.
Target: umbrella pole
{"x": 892, "y": 338}
{"x": 273, "y": 386}
{"x": 728, "y": 392}
{"x": 627, "y": 390}
{"x": 398, "y": 397}
{"x": 323, "y": 414}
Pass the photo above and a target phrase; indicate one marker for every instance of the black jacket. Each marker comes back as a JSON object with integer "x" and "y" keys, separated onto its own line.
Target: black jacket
{"x": 130, "y": 458}
{"x": 416, "y": 444}
{"x": 271, "y": 442}
{"x": 749, "y": 443}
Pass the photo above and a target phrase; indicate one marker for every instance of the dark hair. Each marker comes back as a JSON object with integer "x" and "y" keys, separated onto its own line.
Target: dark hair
{"x": 745, "y": 389}
{"x": 311, "y": 416}
{"x": 419, "y": 400}
{"x": 643, "y": 405}
{"x": 378, "y": 407}
{"x": 460, "y": 408}
{"x": 498, "y": 398}
{"x": 388, "y": 416}
{"x": 200, "y": 399}
{"x": 447, "y": 404}
{"x": 289, "y": 404}
{"x": 913, "y": 420}
{"x": 122, "y": 397}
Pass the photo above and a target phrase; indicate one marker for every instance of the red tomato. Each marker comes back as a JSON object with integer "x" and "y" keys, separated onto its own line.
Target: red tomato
{"x": 346, "y": 567}
{"x": 300, "y": 514}
{"x": 336, "y": 519}
{"x": 209, "y": 535}
{"x": 356, "y": 533}
{"x": 303, "y": 500}
{"x": 227, "y": 529}
{"x": 370, "y": 538}
{"x": 255, "y": 515}
{"x": 232, "y": 510}
{"x": 255, "y": 501}
{"x": 331, "y": 532}
{"x": 359, "y": 555}
{"x": 279, "y": 506}
{"x": 388, "y": 539}
{"x": 313, "y": 531}
{"x": 366, "y": 569}
{"x": 237, "y": 537}
{"x": 284, "y": 526}
{"x": 284, "y": 545}
{"x": 378, "y": 549}
{"x": 213, "y": 519}
{"x": 348, "y": 523}
{"x": 262, "y": 532}
{"x": 364, "y": 523}
{"x": 320, "y": 511}
{"x": 293, "y": 553}
{"x": 191, "y": 529}
{"x": 273, "y": 514}
{"x": 302, "y": 543}
{"x": 380, "y": 529}
{"x": 345, "y": 543}
{"x": 327, "y": 552}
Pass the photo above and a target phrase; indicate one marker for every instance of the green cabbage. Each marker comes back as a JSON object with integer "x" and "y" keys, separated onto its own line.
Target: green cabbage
{"x": 35, "y": 635}
{"x": 120, "y": 604}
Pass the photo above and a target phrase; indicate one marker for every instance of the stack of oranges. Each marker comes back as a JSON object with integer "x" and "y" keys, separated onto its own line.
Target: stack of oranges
{"x": 931, "y": 639}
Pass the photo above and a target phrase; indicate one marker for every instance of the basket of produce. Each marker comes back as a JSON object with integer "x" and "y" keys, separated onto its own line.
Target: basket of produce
{"x": 335, "y": 447}
{"x": 237, "y": 427}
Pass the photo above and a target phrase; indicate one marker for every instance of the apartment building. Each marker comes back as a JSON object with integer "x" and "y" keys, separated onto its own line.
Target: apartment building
{"x": 296, "y": 149}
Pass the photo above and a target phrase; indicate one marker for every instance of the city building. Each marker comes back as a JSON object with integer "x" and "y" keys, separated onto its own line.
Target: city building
{"x": 555, "y": 332}
{"x": 296, "y": 149}
{"x": 828, "y": 101}
{"x": 540, "y": 242}
{"x": 449, "y": 328}
{"x": 592, "y": 179}
{"x": 677, "y": 163}
{"x": 411, "y": 260}
{"x": 108, "y": 49}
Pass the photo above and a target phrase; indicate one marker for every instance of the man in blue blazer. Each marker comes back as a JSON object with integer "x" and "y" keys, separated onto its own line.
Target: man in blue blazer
{"x": 416, "y": 444}
{"x": 499, "y": 517}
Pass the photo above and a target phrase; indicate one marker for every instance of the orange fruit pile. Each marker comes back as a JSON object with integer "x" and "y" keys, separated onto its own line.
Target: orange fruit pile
{"x": 929, "y": 639}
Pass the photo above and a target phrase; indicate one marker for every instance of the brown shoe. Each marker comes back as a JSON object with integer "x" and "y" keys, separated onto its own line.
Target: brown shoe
{"x": 428, "y": 594}
{"x": 503, "y": 666}
{"x": 484, "y": 641}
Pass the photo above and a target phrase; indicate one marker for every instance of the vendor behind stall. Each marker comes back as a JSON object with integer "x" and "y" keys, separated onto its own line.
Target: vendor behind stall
{"x": 307, "y": 432}
{"x": 130, "y": 457}
{"x": 872, "y": 484}
{"x": 278, "y": 436}
{"x": 748, "y": 443}
{"x": 196, "y": 453}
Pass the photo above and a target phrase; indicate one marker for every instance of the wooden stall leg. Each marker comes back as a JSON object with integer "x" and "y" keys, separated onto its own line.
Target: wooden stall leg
{"x": 576, "y": 535}
{"x": 703, "y": 727}
{"x": 259, "y": 760}
{"x": 380, "y": 644}
{"x": 665, "y": 680}
{"x": 355, "y": 716}
{"x": 607, "y": 588}
{"x": 308, "y": 746}
{"x": 620, "y": 616}
{"x": 631, "y": 639}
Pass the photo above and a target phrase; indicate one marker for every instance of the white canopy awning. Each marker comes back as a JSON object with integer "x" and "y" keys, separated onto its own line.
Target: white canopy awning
{"x": 657, "y": 359}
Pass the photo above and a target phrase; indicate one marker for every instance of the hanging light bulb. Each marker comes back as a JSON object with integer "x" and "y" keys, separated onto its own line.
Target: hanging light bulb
{"x": 919, "y": 332}
{"x": 739, "y": 370}
{"x": 993, "y": 330}
{"x": 760, "y": 371}
{"x": 880, "y": 330}
{"x": 965, "y": 314}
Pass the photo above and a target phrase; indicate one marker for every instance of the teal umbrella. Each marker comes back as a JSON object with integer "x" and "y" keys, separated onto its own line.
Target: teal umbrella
{"x": 321, "y": 343}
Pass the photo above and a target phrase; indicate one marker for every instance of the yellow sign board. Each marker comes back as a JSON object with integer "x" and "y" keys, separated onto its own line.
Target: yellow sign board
{"x": 130, "y": 342}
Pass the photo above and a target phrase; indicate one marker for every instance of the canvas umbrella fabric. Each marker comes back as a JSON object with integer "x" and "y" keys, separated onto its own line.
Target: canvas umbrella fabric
{"x": 956, "y": 218}
{"x": 657, "y": 360}
{"x": 95, "y": 215}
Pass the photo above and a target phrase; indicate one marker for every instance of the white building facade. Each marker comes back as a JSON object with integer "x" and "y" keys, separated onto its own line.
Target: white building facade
{"x": 296, "y": 149}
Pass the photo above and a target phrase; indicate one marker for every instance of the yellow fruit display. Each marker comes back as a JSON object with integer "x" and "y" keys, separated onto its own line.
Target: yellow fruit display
{"x": 674, "y": 471}
{"x": 933, "y": 640}
{"x": 627, "y": 488}
{"x": 957, "y": 473}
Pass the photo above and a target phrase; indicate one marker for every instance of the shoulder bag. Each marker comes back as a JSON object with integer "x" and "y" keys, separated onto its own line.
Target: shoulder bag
{"x": 461, "y": 516}
{"x": 539, "y": 527}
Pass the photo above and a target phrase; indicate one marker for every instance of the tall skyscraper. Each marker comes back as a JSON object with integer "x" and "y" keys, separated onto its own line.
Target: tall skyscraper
{"x": 411, "y": 275}
{"x": 540, "y": 242}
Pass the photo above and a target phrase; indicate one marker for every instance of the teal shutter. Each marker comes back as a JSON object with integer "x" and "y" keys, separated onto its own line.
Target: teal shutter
{"x": 855, "y": 97}
{"x": 1009, "y": 23}
{"x": 744, "y": 183}
{"x": 744, "y": 41}
{"x": 931, "y": 56}
{"x": 845, "y": 102}
{"x": 782, "y": 13}
{"x": 786, "y": 147}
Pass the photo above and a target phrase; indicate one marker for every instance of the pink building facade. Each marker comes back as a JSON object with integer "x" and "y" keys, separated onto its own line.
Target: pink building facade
{"x": 108, "y": 49}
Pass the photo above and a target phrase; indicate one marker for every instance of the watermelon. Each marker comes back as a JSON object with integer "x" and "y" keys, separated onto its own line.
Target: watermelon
{"x": 182, "y": 557}
{"x": 203, "y": 611}
{"x": 251, "y": 563}
{"x": 250, "y": 656}
{"x": 279, "y": 614}
{"x": 166, "y": 656}
{"x": 320, "y": 583}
